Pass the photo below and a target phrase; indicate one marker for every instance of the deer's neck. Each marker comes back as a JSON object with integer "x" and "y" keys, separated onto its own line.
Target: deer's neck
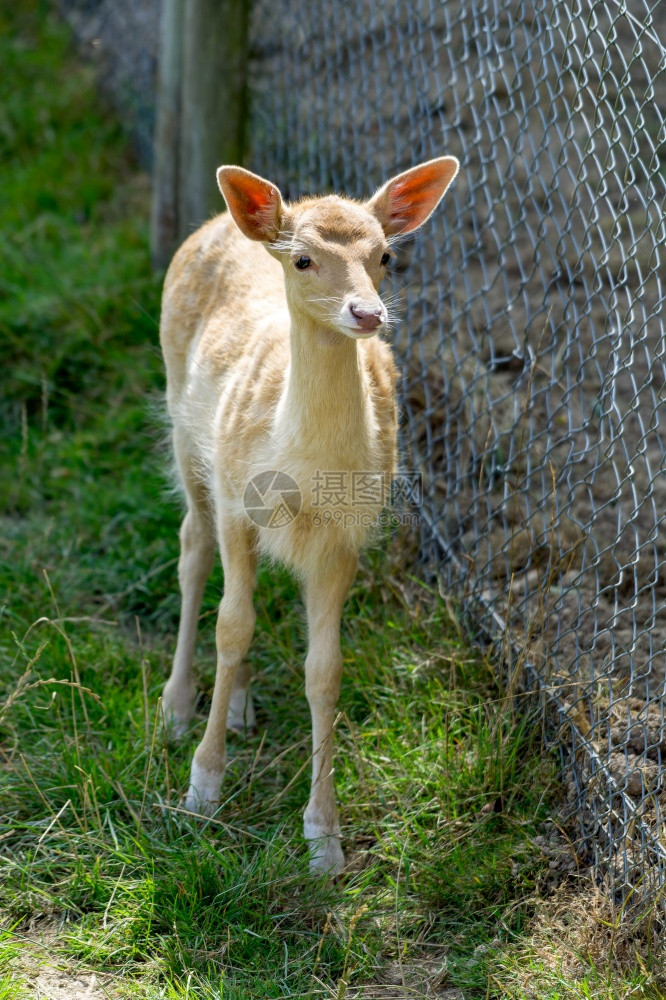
{"x": 325, "y": 408}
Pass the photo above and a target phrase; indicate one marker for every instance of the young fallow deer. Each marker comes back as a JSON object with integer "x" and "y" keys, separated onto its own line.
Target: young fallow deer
{"x": 275, "y": 374}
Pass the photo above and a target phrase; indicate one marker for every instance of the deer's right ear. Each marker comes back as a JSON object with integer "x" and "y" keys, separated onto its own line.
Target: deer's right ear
{"x": 255, "y": 204}
{"x": 406, "y": 201}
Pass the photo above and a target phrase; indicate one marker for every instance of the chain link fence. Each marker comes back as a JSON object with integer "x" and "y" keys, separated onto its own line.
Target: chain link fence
{"x": 532, "y": 341}
{"x": 120, "y": 38}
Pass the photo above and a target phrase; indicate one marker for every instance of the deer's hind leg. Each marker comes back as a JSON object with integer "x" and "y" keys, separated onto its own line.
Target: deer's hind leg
{"x": 233, "y": 634}
{"x": 197, "y": 553}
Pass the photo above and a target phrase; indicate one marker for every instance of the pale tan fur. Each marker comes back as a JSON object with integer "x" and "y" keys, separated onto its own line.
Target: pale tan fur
{"x": 275, "y": 367}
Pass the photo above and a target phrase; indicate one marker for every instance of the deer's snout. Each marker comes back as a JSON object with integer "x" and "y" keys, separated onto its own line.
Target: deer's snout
{"x": 367, "y": 317}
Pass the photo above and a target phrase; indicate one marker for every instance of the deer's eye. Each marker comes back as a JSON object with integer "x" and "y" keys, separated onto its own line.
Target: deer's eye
{"x": 303, "y": 263}
{"x": 385, "y": 259}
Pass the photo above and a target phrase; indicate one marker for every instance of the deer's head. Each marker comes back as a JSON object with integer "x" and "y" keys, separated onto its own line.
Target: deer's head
{"x": 335, "y": 251}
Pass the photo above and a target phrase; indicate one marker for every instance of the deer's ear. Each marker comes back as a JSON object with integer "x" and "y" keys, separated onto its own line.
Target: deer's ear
{"x": 255, "y": 204}
{"x": 405, "y": 202}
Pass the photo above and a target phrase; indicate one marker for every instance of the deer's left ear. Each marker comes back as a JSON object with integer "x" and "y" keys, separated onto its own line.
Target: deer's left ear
{"x": 255, "y": 204}
{"x": 405, "y": 202}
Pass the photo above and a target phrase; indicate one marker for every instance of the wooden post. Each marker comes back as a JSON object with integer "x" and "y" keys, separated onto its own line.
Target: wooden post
{"x": 165, "y": 228}
{"x": 201, "y": 113}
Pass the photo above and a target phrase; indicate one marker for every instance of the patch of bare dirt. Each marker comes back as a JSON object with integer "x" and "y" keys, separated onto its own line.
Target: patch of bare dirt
{"x": 52, "y": 984}
{"x": 51, "y": 981}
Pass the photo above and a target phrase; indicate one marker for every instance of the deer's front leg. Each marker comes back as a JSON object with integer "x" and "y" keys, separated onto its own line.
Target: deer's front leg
{"x": 235, "y": 625}
{"x": 325, "y": 594}
{"x": 197, "y": 550}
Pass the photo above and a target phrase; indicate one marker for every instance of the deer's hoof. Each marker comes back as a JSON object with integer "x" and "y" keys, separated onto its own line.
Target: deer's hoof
{"x": 176, "y": 726}
{"x": 203, "y": 796}
{"x": 179, "y": 710}
{"x": 326, "y": 856}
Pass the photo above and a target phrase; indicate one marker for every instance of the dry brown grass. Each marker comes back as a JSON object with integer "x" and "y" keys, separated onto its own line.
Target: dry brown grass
{"x": 579, "y": 944}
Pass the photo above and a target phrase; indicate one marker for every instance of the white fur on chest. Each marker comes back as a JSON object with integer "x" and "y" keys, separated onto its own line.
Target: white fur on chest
{"x": 332, "y": 502}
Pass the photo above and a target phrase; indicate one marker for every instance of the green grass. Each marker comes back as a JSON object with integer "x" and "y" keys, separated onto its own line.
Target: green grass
{"x": 442, "y": 783}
